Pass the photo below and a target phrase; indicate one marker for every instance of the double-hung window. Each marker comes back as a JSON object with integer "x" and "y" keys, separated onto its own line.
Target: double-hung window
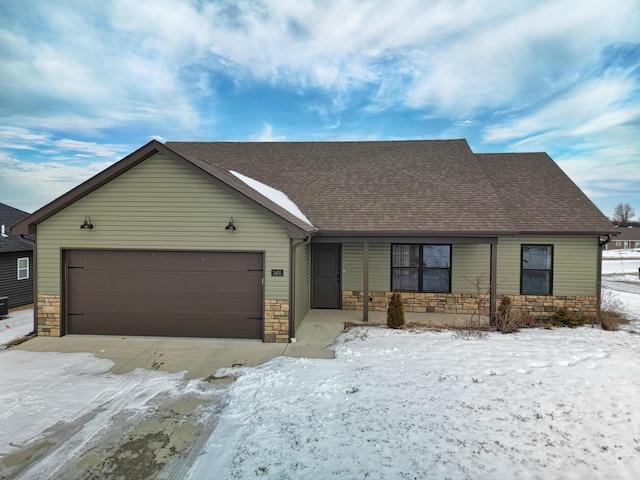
{"x": 421, "y": 268}
{"x": 537, "y": 270}
{"x": 23, "y": 268}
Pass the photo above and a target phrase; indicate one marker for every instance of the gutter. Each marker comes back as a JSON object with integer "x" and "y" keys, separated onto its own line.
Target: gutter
{"x": 35, "y": 281}
{"x": 601, "y": 244}
{"x": 292, "y": 286}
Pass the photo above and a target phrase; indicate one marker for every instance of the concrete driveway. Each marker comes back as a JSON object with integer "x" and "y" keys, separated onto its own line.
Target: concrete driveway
{"x": 198, "y": 357}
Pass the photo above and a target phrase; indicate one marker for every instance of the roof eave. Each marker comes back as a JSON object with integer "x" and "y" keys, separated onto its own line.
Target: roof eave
{"x": 29, "y": 224}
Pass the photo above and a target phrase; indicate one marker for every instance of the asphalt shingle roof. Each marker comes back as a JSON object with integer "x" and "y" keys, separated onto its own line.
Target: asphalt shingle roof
{"x": 427, "y": 186}
{"x": 8, "y": 217}
{"x": 539, "y": 196}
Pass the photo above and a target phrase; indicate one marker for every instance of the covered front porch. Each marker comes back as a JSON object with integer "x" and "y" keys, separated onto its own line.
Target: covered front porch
{"x": 461, "y": 285}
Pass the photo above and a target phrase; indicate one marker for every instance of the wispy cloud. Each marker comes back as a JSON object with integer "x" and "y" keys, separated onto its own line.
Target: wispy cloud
{"x": 267, "y": 135}
{"x": 100, "y": 80}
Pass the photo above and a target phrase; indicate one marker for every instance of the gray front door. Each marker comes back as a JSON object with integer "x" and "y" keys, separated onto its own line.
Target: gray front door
{"x": 326, "y": 291}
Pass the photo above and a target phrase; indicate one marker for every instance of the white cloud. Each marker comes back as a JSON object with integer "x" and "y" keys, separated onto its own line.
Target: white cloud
{"x": 30, "y": 185}
{"x": 592, "y": 106}
{"x": 266, "y": 135}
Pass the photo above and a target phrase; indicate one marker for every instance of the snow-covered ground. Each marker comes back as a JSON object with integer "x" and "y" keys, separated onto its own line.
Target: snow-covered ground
{"x": 17, "y": 324}
{"x": 556, "y": 403}
{"x": 537, "y": 404}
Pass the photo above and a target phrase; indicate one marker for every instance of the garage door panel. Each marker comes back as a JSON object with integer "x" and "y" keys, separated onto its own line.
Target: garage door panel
{"x": 203, "y": 294}
{"x": 185, "y": 282}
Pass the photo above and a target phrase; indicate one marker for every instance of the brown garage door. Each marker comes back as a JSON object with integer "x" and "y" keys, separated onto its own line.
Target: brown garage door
{"x": 159, "y": 293}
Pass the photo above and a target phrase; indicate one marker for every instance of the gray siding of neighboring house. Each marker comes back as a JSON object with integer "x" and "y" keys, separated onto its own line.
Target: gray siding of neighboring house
{"x": 19, "y": 292}
{"x": 159, "y": 204}
{"x": 575, "y": 264}
{"x": 303, "y": 284}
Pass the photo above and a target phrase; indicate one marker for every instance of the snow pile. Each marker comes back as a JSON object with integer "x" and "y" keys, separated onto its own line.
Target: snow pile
{"x": 18, "y": 324}
{"x": 561, "y": 403}
{"x": 276, "y": 196}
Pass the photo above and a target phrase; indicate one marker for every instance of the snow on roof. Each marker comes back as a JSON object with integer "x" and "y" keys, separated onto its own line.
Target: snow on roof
{"x": 276, "y": 196}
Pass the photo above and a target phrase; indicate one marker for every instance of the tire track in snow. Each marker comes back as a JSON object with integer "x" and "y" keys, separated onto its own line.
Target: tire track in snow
{"x": 111, "y": 402}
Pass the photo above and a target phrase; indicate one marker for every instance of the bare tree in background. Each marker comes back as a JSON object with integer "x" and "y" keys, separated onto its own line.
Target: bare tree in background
{"x": 623, "y": 213}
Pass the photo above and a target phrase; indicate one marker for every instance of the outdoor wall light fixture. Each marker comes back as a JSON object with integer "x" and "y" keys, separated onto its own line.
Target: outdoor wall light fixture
{"x": 231, "y": 227}
{"x": 87, "y": 225}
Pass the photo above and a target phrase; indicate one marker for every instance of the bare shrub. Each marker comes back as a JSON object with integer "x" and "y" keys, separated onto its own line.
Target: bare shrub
{"x": 612, "y": 311}
{"x": 509, "y": 319}
{"x": 470, "y": 334}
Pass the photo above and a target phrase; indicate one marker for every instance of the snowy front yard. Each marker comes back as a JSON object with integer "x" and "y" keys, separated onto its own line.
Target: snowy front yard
{"x": 562, "y": 403}
{"x": 557, "y": 403}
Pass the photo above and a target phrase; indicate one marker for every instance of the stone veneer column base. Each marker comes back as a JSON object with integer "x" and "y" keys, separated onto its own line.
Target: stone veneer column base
{"x": 457, "y": 303}
{"x": 276, "y": 315}
{"x": 543, "y": 306}
{"x": 48, "y": 315}
{"x": 276, "y": 321}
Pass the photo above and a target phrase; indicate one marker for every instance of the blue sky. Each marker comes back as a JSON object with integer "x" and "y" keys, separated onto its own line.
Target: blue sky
{"x": 84, "y": 83}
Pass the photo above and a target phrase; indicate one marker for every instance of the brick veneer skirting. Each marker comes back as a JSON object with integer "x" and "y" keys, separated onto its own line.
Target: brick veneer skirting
{"x": 276, "y": 321}
{"x": 48, "y": 315}
{"x": 460, "y": 303}
{"x": 541, "y": 306}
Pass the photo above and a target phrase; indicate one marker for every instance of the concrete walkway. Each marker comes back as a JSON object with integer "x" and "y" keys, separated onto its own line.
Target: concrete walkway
{"x": 202, "y": 357}
{"x": 199, "y": 357}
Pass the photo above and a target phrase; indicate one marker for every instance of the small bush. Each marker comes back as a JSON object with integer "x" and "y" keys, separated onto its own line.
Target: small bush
{"x": 509, "y": 319}
{"x": 566, "y": 318}
{"x": 395, "y": 311}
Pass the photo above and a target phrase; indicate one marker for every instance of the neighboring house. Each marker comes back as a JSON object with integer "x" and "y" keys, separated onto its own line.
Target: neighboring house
{"x": 628, "y": 238}
{"x": 206, "y": 239}
{"x": 16, "y": 260}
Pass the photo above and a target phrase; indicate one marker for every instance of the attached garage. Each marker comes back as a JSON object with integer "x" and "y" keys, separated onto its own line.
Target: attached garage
{"x": 164, "y": 293}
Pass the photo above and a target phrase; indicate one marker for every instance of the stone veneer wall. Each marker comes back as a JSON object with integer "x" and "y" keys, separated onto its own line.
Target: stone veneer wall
{"x": 538, "y": 306}
{"x": 460, "y": 303}
{"x": 48, "y": 315}
{"x": 276, "y": 321}
{"x": 541, "y": 306}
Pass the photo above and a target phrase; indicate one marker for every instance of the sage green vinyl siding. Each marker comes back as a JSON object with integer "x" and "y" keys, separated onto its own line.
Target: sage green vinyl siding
{"x": 303, "y": 285}
{"x": 468, "y": 263}
{"x": 575, "y": 264}
{"x": 379, "y": 267}
{"x": 159, "y": 204}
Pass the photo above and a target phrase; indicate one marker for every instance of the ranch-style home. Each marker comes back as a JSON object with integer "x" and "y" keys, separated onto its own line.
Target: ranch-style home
{"x": 241, "y": 240}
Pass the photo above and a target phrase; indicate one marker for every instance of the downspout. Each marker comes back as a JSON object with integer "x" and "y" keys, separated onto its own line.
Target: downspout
{"x": 35, "y": 281}
{"x": 292, "y": 285}
{"x": 601, "y": 244}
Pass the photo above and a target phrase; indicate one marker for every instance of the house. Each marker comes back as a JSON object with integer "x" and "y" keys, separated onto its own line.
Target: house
{"x": 628, "y": 237}
{"x": 242, "y": 239}
{"x": 16, "y": 260}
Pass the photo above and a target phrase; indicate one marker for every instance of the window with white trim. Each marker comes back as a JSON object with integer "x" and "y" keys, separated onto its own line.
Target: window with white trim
{"x": 23, "y": 268}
